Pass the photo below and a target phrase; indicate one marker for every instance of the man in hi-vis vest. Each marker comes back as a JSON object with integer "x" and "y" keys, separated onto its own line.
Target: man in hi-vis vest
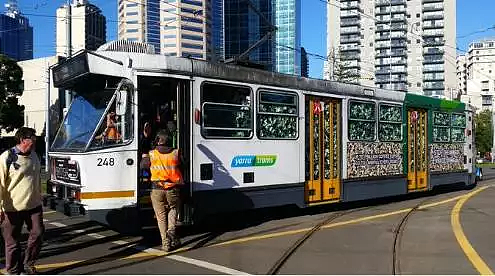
{"x": 166, "y": 179}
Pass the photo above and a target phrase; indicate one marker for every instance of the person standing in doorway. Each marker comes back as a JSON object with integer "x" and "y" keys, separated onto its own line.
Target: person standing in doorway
{"x": 20, "y": 202}
{"x": 166, "y": 179}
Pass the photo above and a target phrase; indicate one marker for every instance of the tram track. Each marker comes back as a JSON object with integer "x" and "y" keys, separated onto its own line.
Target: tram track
{"x": 398, "y": 232}
{"x": 297, "y": 244}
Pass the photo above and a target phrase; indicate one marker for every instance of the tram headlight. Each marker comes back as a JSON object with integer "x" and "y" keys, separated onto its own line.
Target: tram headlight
{"x": 54, "y": 189}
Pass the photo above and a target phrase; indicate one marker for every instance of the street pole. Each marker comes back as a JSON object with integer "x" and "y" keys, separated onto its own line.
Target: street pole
{"x": 493, "y": 141}
{"x": 47, "y": 118}
{"x": 68, "y": 24}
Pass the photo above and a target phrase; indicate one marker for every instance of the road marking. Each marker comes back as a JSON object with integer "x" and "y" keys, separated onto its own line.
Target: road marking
{"x": 147, "y": 252}
{"x": 332, "y": 225}
{"x": 464, "y": 243}
{"x": 207, "y": 265}
{"x": 48, "y": 212}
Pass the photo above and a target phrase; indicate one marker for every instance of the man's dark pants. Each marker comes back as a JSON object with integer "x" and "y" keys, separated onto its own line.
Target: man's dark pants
{"x": 12, "y": 226}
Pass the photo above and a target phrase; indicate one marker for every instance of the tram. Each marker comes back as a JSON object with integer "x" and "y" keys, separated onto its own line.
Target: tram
{"x": 250, "y": 138}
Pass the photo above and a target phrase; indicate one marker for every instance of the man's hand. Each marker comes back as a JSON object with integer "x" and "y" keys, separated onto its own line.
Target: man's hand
{"x": 2, "y": 217}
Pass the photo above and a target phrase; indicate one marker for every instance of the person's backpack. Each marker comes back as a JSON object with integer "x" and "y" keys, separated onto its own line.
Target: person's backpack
{"x": 11, "y": 158}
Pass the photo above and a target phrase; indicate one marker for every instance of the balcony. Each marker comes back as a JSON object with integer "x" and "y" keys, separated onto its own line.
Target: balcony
{"x": 433, "y": 51}
{"x": 350, "y": 31}
{"x": 432, "y": 1}
{"x": 380, "y": 3}
{"x": 391, "y": 54}
{"x": 433, "y": 8}
{"x": 350, "y": 6}
{"x": 350, "y": 13}
{"x": 349, "y": 40}
{"x": 433, "y": 26}
{"x": 387, "y": 36}
{"x": 387, "y": 45}
{"x": 350, "y": 23}
{"x": 432, "y": 17}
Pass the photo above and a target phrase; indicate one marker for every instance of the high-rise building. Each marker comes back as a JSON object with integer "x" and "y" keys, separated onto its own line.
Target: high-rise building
{"x": 287, "y": 19}
{"x": 304, "y": 63}
{"x": 16, "y": 35}
{"x": 174, "y": 28}
{"x": 476, "y": 74}
{"x": 413, "y": 42}
{"x": 266, "y": 32}
{"x": 87, "y": 25}
{"x": 249, "y": 31}
{"x": 218, "y": 30}
{"x": 461, "y": 75}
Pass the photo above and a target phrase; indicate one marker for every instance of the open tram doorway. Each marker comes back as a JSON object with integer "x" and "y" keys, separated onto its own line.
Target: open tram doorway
{"x": 323, "y": 149}
{"x": 417, "y": 150}
{"x": 164, "y": 103}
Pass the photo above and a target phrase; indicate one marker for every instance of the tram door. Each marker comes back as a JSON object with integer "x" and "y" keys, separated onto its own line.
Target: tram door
{"x": 417, "y": 150}
{"x": 323, "y": 148}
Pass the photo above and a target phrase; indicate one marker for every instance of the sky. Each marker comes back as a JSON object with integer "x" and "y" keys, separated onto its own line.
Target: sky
{"x": 474, "y": 18}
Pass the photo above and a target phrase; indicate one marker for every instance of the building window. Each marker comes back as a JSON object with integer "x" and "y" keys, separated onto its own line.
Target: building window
{"x": 131, "y": 31}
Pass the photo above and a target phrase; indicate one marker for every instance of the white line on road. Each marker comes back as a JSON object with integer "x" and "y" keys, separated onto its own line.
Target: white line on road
{"x": 207, "y": 265}
{"x": 195, "y": 262}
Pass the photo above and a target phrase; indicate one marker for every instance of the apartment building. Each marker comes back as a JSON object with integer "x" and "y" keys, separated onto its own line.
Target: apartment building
{"x": 412, "y": 44}
{"x": 477, "y": 76}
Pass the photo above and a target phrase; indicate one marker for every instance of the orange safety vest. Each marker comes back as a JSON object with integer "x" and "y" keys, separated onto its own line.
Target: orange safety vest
{"x": 112, "y": 133}
{"x": 165, "y": 168}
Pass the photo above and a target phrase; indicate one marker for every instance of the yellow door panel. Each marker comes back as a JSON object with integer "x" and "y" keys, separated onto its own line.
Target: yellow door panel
{"x": 417, "y": 150}
{"x": 325, "y": 146}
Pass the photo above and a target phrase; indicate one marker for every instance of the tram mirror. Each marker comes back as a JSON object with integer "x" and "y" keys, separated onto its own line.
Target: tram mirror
{"x": 121, "y": 102}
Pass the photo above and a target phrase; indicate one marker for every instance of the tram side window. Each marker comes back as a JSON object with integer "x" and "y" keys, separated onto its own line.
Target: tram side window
{"x": 362, "y": 121}
{"x": 277, "y": 115}
{"x": 116, "y": 129}
{"x": 458, "y": 126}
{"x": 390, "y": 123}
{"x": 441, "y": 127}
{"x": 227, "y": 111}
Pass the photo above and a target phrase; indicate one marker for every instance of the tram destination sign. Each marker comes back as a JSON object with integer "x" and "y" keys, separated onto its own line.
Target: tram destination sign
{"x": 70, "y": 69}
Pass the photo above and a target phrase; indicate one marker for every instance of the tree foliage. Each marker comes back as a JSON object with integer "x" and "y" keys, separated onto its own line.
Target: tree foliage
{"x": 339, "y": 68}
{"x": 484, "y": 131}
{"x": 11, "y": 88}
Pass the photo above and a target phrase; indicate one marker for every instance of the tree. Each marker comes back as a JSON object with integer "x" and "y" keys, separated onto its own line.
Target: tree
{"x": 339, "y": 69}
{"x": 11, "y": 88}
{"x": 484, "y": 131}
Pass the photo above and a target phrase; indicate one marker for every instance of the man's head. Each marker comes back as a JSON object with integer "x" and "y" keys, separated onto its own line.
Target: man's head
{"x": 25, "y": 139}
{"x": 163, "y": 138}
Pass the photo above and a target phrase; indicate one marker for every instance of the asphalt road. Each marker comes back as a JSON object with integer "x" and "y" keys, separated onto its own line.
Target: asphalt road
{"x": 357, "y": 239}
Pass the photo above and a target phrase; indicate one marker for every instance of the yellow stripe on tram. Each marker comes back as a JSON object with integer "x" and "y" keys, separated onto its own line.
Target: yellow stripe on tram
{"x": 110, "y": 194}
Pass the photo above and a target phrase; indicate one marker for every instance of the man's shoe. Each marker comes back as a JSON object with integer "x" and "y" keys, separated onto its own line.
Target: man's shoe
{"x": 30, "y": 270}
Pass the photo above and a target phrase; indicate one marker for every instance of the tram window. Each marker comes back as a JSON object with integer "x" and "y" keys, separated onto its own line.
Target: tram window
{"x": 441, "y": 127}
{"x": 277, "y": 115}
{"x": 362, "y": 121}
{"x": 390, "y": 123}
{"x": 116, "y": 129}
{"x": 458, "y": 126}
{"x": 227, "y": 111}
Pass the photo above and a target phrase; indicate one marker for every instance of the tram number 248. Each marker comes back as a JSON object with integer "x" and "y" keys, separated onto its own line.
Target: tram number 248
{"x": 105, "y": 162}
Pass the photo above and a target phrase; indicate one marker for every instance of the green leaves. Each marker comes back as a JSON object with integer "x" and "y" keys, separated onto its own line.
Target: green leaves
{"x": 11, "y": 87}
{"x": 483, "y": 131}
